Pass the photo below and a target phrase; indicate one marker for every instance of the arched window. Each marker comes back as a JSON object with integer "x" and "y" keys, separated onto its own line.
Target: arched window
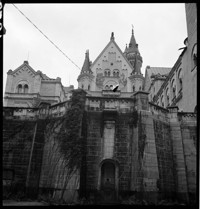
{"x": 140, "y": 88}
{"x": 180, "y": 80}
{"x": 106, "y": 87}
{"x": 116, "y": 73}
{"x": 82, "y": 86}
{"x": 26, "y": 89}
{"x": 107, "y": 72}
{"x": 194, "y": 57}
{"x": 89, "y": 87}
{"x": 173, "y": 87}
{"x": 167, "y": 96}
{"x": 19, "y": 88}
{"x": 133, "y": 88}
{"x": 162, "y": 101}
{"x": 111, "y": 87}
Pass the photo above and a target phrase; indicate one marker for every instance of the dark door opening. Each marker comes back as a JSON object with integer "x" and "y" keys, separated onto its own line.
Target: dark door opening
{"x": 108, "y": 181}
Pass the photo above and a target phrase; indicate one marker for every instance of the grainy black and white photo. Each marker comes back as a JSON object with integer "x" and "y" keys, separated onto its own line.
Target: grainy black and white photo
{"x": 99, "y": 104}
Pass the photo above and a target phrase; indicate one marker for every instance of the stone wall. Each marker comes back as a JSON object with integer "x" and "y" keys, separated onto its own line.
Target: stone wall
{"x": 18, "y": 136}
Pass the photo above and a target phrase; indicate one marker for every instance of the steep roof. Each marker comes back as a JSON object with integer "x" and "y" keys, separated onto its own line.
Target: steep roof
{"x": 120, "y": 51}
{"x": 26, "y": 63}
{"x": 86, "y": 64}
{"x": 158, "y": 70}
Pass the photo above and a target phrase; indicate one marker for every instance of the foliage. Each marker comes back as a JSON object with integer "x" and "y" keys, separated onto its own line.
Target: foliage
{"x": 66, "y": 143}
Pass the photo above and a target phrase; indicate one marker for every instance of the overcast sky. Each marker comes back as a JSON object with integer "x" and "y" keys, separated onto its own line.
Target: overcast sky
{"x": 159, "y": 29}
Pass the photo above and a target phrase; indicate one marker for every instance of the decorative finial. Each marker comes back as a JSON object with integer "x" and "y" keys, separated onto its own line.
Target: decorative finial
{"x": 132, "y": 28}
{"x": 112, "y": 36}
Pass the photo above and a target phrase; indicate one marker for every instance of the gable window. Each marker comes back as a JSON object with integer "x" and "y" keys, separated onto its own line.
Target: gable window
{"x": 19, "y": 88}
{"x": 107, "y": 73}
{"x": 26, "y": 89}
{"x": 116, "y": 73}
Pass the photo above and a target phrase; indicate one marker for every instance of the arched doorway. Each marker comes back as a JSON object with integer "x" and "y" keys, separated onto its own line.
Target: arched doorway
{"x": 108, "y": 176}
{"x": 109, "y": 180}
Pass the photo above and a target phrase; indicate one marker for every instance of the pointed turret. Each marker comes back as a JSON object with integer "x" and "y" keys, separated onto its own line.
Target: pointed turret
{"x": 133, "y": 55}
{"x": 126, "y": 50}
{"x": 86, "y": 64}
{"x": 132, "y": 41}
{"x": 85, "y": 77}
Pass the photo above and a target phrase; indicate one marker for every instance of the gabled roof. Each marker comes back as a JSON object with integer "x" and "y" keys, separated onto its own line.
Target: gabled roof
{"x": 24, "y": 64}
{"x": 111, "y": 41}
{"x": 44, "y": 76}
{"x": 158, "y": 70}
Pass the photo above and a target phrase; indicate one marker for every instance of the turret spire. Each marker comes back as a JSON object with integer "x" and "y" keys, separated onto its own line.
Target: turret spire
{"x": 86, "y": 64}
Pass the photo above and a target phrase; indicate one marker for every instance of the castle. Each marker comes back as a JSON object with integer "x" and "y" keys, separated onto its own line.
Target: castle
{"x": 139, "y": 132}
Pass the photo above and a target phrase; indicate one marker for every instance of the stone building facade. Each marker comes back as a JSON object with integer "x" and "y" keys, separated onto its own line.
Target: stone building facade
{"x": 132, "y": 145}
{"x": 182, "y": 79}
{"x": 26, "y": 87}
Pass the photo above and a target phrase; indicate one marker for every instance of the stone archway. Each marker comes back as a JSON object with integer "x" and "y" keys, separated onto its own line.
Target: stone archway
{"x": 108, "y": 180}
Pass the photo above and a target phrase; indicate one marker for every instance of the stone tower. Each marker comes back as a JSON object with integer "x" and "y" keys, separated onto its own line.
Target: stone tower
{"x": 133, "y": 56}
{"x": 85, "y": 78}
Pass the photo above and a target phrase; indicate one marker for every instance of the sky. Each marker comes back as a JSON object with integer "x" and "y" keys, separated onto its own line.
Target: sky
{"x": 159, "y": 29}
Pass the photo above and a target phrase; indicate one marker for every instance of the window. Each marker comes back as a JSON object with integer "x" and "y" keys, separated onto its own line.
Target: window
{"x": 19, "y": 89}
{"x": 180, "y": 80}
{"x": 133, "y": 88}
{"x": 194, "y": 57}
{"x": 116, "y": 73}
{"x": 107, "y": 72}
{"x": 167, "y": 96}
{"x": 89, "y": 87}
{"x": 82, "y": 86}
{"x": 111, "y": 87}
{"x": 173, "y": 86}
{"x": 106, "y": 87}
{"x": 26, "y": 89}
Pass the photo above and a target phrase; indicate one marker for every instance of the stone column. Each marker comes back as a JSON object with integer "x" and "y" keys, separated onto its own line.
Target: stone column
{"x": 178, "y": 155}
{"x": 150, "y": 163}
